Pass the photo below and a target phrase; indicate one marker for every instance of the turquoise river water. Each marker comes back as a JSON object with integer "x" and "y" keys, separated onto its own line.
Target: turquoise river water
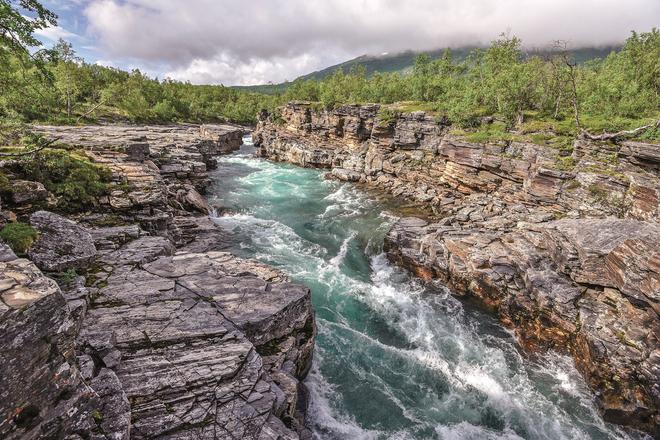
{"x": 393, "y": 359}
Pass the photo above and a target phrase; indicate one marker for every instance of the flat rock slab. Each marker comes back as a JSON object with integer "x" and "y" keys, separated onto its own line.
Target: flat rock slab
{"x": 180, "y": 333}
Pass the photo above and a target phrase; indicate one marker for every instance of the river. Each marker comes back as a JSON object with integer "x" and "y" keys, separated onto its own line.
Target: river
{"x": 394, "y": 359}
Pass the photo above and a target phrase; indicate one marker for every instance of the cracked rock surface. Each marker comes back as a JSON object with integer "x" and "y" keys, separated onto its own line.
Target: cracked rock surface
{"x": 183, "y": 335}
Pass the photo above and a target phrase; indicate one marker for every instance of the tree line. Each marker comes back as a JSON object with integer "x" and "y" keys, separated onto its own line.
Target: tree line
{"x": 54, "y": 85}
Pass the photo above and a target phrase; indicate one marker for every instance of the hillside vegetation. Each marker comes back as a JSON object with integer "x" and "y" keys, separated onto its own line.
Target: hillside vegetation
{"x": 403, "y": 62}
{"x": 501, "y": 81}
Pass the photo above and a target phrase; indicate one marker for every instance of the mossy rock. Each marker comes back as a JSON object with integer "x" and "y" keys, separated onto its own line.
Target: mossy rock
{"x": 69, "y": 175}
{"x": 6, "y": 190}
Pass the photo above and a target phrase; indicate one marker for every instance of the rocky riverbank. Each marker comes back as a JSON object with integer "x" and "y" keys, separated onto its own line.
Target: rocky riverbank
{"x": 561, "y": 243}
{"x": 128, "y": 318}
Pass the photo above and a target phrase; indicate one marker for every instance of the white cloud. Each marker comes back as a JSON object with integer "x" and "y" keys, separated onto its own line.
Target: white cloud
{"x": 54, "y": 33}
{"x": 228, "y": 70}
{"x": 238, "y": 41}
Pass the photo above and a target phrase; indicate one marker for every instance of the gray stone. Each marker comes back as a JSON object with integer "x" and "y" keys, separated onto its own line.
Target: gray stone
{"x": 188, "y": 329}
{"x": 6, "y": 254}
{"x": 25, "y": 191}
{"x": 62, "y": 243}
{"x": 346, "y": 175}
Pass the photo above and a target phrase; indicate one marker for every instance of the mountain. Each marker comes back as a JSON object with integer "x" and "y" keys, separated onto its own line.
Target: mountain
{"x": 385, "y": 63}
{"x": 403, "y": 61}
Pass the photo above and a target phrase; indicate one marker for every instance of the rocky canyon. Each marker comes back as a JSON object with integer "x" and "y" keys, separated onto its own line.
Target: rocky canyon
{"x": 566, "y": 256}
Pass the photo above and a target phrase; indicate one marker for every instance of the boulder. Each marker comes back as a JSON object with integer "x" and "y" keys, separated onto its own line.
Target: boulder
{"x": 62, "y": 244}
{"x": 194, "y": 200}
{"x": 585, "y": 286}
{"x": 346, "y": 175}
{"x": 6, "y": 254}
{"x": 26, "y": 191}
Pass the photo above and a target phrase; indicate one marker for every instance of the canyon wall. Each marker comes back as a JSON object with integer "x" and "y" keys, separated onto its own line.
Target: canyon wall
{"x": 152, "y": 329}
{"x": 563, "y": 244}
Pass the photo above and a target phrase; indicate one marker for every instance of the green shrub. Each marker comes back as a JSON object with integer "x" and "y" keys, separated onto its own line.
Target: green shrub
{"x": 73, "y": 177}
{"x": 566, "y": 163}
{"x": 65, "y": 278}
{"x": 19, "y": 236}
{"x": 387, "y": 116}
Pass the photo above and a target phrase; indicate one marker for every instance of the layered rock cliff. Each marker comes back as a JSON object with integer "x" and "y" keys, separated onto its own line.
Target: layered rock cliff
{"x": 152, "y": 329}
{"x": 562, "y": 244}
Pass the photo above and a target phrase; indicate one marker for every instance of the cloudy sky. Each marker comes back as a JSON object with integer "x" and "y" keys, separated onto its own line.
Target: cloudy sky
{"x": 237, "y": 42}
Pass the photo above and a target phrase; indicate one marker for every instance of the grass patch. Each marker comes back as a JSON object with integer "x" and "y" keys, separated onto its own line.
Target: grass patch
{"x": 598, "y": 192}
{"x": 97, "y": 416}
{"x": 601, "y": 169}
{"x": 600, "y": 124}
{"x": 415, "y": 106}
{"x": 65, "y": 278}
{"x": 19, "y": 237}
{"x": 495, "y": 132}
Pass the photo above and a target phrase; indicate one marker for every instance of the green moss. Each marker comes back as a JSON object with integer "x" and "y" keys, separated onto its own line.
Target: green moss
{"x": 97, "y": 416}
{"x": 607, "y": 171}
{"x": 19, "y": 237}
{"x": 65, "y": 278}
{"x": 546, "y": 126}
{"x": 540, "y": 138}
{"x": 623, "y": 338}
{"x": 270, "y": 348}
{"x": 600, "y": 124}
{"x": 491, "y": 133}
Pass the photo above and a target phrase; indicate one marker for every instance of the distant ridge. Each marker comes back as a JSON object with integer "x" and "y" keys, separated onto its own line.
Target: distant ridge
{"x": 403, "y": 61}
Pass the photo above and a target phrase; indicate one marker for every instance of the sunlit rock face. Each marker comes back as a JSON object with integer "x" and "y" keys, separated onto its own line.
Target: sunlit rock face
{"x": 566, "y": 256}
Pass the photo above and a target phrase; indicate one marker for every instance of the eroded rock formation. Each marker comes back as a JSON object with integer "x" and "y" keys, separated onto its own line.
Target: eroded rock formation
{"x": 160, "y": 333}
{"x": 563, "y": 245}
